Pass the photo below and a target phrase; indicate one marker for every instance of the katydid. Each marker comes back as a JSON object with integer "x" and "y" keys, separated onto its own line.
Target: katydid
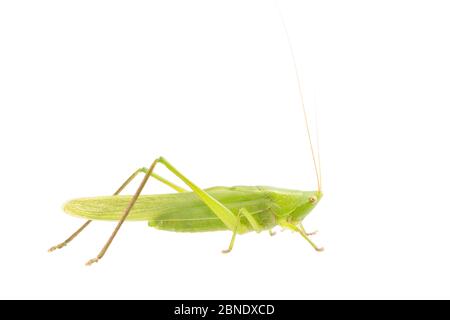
{"x": 240, "y": 209}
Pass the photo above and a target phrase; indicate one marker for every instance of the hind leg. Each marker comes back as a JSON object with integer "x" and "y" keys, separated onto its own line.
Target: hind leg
{"x": 128, "y": 181}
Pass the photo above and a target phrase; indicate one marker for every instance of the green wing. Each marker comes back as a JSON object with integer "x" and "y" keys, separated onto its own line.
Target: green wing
{"x": 182, "y": 212}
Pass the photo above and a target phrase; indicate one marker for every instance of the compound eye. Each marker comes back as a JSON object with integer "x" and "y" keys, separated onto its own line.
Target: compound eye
{"x": 312, "y": 199}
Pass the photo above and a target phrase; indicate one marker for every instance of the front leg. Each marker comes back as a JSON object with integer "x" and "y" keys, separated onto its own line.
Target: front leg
{"x": 293, "y": 227}
{"x": 307, "y": 233}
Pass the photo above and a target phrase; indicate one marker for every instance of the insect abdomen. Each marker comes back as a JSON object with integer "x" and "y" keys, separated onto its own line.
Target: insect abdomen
{"x": 265, "y": 218}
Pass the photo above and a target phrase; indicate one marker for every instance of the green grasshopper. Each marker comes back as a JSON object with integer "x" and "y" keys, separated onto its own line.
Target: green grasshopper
{"x": 240, "y": 209}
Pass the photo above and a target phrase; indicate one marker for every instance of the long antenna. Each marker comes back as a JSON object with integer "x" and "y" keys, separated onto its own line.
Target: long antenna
{"x": 305, "y": 116}
{"x": 316, "y": 109}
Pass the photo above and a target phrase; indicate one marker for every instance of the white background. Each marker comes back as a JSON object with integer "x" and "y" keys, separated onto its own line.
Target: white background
{"x": 91, "y": 90}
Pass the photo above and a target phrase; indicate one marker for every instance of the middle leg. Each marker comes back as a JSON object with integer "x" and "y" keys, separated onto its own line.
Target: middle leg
{"x": 255, "y": 225}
